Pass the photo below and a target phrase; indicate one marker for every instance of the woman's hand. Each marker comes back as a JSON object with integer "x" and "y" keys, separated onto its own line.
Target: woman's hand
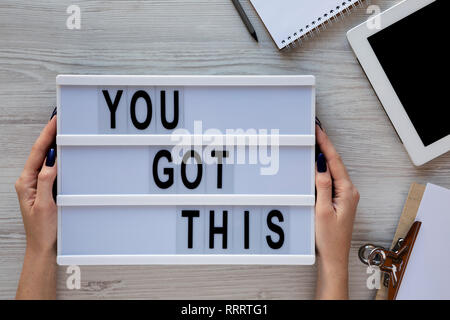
{"x": 337, "y": 200}
{"x": 39, "y": 213}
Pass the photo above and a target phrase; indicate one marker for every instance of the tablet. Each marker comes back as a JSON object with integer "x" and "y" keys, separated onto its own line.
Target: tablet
{"x": 402, "y": 52}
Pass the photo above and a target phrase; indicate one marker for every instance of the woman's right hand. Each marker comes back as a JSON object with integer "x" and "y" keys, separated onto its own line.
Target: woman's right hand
{"x": 337, "y": 200}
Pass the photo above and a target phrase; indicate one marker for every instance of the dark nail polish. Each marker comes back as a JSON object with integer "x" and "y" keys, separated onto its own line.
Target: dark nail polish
{"x": 321, "y": 163}
{"x": 51, "y": 156}
{"x": 53, "y": 114}
{"x": 319, "y": 123}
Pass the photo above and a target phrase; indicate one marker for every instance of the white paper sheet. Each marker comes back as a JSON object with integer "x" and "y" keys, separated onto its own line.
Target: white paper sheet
{"x": 428, "y": 273}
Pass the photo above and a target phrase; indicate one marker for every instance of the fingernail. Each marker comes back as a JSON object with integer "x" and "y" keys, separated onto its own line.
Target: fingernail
{"x": 54, "y": 114}
{"x": 319, "y": 123}
{"x": 321, "y": 163}
{"x": 51, "y": 156}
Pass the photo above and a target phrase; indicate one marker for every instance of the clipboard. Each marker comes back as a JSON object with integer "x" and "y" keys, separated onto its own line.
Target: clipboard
{"x": 393, "y": 262}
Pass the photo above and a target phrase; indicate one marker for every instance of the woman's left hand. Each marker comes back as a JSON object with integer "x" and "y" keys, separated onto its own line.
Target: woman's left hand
{"x": 39, "y": 213}
{"x": 35, "y": 192}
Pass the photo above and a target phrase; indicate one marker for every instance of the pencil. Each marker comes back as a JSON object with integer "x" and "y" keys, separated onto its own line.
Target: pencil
{"x": 245, "y": 19}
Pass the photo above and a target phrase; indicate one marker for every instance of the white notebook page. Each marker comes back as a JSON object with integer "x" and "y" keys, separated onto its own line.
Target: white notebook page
{"x": 288, "y": 20}
{"x": 427, "y": 275}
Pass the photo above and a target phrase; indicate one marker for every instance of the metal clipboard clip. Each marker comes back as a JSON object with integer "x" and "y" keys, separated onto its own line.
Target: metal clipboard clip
{"x": 392, "y": 262}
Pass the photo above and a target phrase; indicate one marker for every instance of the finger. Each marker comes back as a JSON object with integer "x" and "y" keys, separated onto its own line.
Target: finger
{"x": 46, "y": 178}
{"x": 335, "y": 164}
{"x": 324, "y": 187}
{"x": 40, "y": 147}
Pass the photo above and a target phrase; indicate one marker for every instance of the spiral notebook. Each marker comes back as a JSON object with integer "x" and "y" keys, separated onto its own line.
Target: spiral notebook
{"x": 292, "y": 20}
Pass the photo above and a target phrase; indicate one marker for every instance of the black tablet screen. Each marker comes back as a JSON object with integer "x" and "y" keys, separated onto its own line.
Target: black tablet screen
{"x": 414, "y": 55}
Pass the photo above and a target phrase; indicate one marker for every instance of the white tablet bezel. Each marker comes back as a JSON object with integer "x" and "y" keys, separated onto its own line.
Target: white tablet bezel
{"x": 358, "y": 38}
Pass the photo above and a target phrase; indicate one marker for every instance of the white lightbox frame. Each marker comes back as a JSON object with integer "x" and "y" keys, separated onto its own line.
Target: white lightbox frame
{"x": 185, "y": 199}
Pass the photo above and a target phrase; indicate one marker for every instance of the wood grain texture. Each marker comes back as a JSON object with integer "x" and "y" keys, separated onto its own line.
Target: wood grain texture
{"x": 195, "y": 37}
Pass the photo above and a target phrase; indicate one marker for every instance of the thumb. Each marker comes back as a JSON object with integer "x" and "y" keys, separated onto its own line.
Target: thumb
{"x": 46, "y": 178}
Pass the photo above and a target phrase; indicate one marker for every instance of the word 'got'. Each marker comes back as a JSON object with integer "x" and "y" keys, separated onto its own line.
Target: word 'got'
{"x": 191, "y": 154}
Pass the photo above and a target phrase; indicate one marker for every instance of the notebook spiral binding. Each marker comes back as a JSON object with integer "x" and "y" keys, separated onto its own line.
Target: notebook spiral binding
{"x": 317, "y": 26}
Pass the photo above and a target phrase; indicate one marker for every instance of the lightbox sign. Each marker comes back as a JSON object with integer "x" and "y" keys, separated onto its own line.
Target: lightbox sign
{"x": 185, "y": 169}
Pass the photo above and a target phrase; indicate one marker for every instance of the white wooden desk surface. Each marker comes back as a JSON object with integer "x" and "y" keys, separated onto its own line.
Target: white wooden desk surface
{"x": 194, "y": 37}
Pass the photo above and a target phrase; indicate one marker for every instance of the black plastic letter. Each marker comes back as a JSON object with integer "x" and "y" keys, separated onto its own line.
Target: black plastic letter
{"x": 223, "y": 230}
{"x": 275, "y": 228}
{"x": 198, "y": 179}
{"x": 246, "y": 229}
{"x": 219, "y": 155}
{"x": 148, "y": 101}
{"x": 167, "y": 171}
{"x": 112, "y": 106}
{"x": 166, "y": 124}
{"x": 190, "y": 214}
